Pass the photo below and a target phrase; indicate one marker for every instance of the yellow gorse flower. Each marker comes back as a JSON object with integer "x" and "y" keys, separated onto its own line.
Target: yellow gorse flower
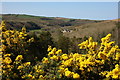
{"x": 7, "y": 55}
{"x": 49, "y": 48}
{"x": 7, "y": 60}
{"x": 117, "y": 57}
{"x": 76, "y": 76}
{"x": 64, "y": 56}
{"x": 54, "y": 57}
{"x": 19, "y": 57}
{"x": 20, "y": 67}
{"x": 45, "y": 60}
{"x": 68, "y": 73}
{"x": 27, "y": 63}
{"x": 30, "y": 76}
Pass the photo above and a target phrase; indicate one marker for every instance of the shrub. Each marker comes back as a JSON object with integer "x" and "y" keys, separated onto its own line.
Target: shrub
{"x": 99, "y": 61}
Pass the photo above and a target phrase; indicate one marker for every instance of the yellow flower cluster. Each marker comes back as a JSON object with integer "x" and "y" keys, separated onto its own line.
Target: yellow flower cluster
{"x": 13, "y": 39}
{"x": 53, "y": 54}
{"x": 82, "y": 66}
{"x": 31, "y": 77}
{"x": 88, "y": 44}
{"x": 76, "y": 65}
{"x": 12, "y": 36}
{"x": 98, "y": 62}
{"x": 71, "y": 74}
{"x": 13, "y": 42}
{"x": 115, "y": 73}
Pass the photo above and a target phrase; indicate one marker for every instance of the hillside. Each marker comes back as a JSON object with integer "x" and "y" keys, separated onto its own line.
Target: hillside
{"x": 78, "y": 28}
{"x": 37, "y": 22}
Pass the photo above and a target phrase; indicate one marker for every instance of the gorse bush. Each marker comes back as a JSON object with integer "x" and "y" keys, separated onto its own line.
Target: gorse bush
{"x": 14, "y": 49}
{"x": 99, "y": 62}
{"x": 15, "y": 42}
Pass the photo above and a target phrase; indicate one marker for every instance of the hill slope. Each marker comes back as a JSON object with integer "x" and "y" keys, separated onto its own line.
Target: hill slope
{"x": 38, "y": 22}
{"x": 68, "y": 27}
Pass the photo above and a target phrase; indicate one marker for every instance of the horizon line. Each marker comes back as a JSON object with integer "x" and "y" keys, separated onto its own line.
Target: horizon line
{"x": 52, "y": 16}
